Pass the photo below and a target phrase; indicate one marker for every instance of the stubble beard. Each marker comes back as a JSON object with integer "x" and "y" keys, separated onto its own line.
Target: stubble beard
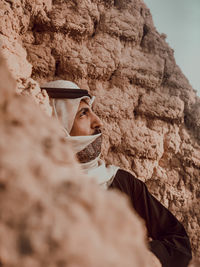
{"x": 92, "y": 151}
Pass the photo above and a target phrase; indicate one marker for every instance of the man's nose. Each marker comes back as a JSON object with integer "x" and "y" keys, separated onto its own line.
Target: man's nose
{"x": 96, "y": 122}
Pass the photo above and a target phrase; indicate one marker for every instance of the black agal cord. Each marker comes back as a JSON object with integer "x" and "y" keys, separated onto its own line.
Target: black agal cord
{"x": 66, "y": 92}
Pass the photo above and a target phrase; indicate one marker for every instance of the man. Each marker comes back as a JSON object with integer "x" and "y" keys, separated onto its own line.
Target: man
{"x": 72, "y": 106}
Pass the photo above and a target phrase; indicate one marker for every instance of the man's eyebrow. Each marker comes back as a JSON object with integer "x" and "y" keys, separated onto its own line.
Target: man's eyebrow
{"x": 83, "y": 109}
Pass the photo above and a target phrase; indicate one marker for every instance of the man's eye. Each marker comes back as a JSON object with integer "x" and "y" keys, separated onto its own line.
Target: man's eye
{"x": 83, "y": 113}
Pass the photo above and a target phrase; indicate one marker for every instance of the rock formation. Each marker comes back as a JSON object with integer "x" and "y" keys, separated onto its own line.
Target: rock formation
{"x": 150, "y": 111}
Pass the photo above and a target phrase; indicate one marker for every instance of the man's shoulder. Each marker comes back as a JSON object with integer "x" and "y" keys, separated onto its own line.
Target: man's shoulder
{"x": 126, "y": 182}
{"x": 124, "y": 176}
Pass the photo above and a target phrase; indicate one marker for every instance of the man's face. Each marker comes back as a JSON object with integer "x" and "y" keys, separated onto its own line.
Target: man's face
{"x": 86, "y": 121}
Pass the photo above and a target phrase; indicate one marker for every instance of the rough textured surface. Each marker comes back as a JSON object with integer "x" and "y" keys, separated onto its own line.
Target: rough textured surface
{"x": 150, "y": 112}
{"x": 50, "y": 214}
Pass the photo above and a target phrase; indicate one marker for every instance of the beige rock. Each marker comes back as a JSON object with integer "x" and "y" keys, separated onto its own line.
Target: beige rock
{"x": 15, "y": 56}
{"x": 149, "y": 109}
{"x": 164, "y": 107}
{"x": 194, "y": 263}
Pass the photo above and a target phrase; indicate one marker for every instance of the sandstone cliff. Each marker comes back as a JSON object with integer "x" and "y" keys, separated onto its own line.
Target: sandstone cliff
{"x": 150, "y": 111}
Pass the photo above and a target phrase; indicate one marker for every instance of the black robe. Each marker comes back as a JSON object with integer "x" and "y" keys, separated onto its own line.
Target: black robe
{"x": 170, "y": 242}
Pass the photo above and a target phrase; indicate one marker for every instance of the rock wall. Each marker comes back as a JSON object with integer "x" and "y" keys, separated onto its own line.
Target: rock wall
{"x": 150, "y": 111}
{"x": 50, "y": 214}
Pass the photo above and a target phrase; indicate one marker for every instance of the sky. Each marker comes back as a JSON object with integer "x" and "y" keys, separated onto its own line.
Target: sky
{"x": 180, "y": 21}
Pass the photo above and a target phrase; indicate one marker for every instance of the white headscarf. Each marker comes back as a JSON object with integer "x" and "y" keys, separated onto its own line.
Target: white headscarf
{"x": 65, "y": 111}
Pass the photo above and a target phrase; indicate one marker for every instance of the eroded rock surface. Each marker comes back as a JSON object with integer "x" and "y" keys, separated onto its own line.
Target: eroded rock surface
{"x": 150, "y": 111}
